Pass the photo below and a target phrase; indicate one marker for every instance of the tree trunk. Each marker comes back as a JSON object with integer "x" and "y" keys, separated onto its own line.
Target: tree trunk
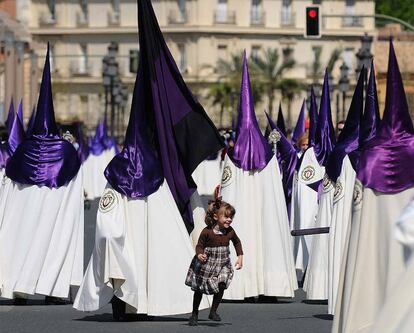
{"x": 221, "y": 115}
{"x": 271, "y": 97}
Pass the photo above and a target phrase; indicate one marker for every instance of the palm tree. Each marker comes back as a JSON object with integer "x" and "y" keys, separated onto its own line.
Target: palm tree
{"x": 289, "y": 88}
{"x": 224, "y": 93}
{"x": 269, "y": 71}
{"x": 220, "y": 93}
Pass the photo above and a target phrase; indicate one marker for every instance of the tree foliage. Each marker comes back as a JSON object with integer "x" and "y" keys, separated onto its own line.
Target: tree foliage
{"x": 403, "y": 9}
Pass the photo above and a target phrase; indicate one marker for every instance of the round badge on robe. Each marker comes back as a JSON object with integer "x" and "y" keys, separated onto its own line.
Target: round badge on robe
{"x": 308, "y": 173}
{"x": 327, "y": 184}
{"x": 108, "y": 201}
{"x": 358, "y": 193}
{"x": 339, "y": 190}
{"x": 227, "y": 176}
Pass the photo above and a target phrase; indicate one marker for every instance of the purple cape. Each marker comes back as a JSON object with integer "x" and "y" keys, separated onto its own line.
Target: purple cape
{"x": 44, "y": 159}
{"x": 281, "y": 121}
{"x": 10, "y": 117}
{"x": 177, "y": 124}
{"x": 348, "y": 140}
{"x": 83, "y": 150}
{"x": 96, "y": 145}
{"x": 386, "y": 161}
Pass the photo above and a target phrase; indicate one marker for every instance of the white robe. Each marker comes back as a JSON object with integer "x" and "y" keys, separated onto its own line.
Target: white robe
{"x": 41, "y": 238}
{"x": 397, "y": 314}
{"x": 341, "y": 220}
{"x": 142, "y": 254}
{"x": 207, "y": 176}
{"x": 305, "y": 206}
{"x": 316, "y": 279}
{"x": 374, "y": 263}
{"x": 94, "y": 168}
{"x": 261, "y": 223}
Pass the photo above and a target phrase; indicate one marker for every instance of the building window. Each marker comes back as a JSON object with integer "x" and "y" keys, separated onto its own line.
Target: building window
{"x": 316, "y": 2}
{"x": 115, "y": 6}
{"x": 222, "y": 52}
{"x": 51, "y": 4}
{"x": 182, "y": 61}
{"x": 287, "y": 54}
{"x": 256, "y": 11}
{"x": 348, "y": 56}
{"x": 84, "y": 7}
{"x": 255, "y": 53}
{"x": 286, "y": 12}
{"x": 221, "y": 15}
{"x": 52, "y": 57}
{"x": 83, "y": 59}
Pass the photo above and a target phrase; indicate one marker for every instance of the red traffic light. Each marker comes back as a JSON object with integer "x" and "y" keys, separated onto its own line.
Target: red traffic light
{"x": 312, "y": 13}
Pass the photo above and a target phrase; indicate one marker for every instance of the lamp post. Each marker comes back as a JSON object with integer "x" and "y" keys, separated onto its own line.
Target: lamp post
{"x": 364, "y": 55}
{"x": 110, "y": 74}
{"x": 343, "y": 86}
{"x": 124, "y": 92}
{"x": 106, "y": 80}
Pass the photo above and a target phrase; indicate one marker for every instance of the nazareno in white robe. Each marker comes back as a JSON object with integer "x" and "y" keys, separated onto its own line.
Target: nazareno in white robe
{"x": 207, "y": 176}
{"x": 316, "y": 279}
{"x": 397, "y": 313}
{"x": 41, "y": 238}
{"x": 374, "y": 263}
{"x": 261, "y": 223}
{"x": 142, "y": 254}
{"x": 94, "y": 168}
{"x": 341, "y": 220}
{"x": 305, "y": 207}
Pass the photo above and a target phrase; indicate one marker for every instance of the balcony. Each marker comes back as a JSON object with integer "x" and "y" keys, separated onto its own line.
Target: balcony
{"x": 80, "y": 68}
{"x": 224, "y": 17}
{"x": 177, "y": 17}
{"x": 287, "y": 19}
{"x": 47, "y": 19}
{"x": 81, "y": 19}
{"x": 257, "y": 17}
{"x": 114, "y": 18}
{"x": 352, "y": 21}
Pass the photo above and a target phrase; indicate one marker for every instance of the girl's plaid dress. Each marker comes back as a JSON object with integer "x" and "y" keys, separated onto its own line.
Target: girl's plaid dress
{"x": 205, "y": 277}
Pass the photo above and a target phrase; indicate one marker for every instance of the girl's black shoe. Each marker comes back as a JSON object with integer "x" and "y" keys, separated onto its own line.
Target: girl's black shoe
{"x": 214, "y": 316}
{"x": 118, "y": 309}
{"x": 193, "y": 321}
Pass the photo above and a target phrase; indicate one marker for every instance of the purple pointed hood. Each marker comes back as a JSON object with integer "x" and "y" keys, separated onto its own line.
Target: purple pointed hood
{"x": 300, "y": 125}
{"x": 325, "y": 133}
{"x": 136, "y": 171}
{"x": 106, "y": 140}
{"x": 177, "y": 123}
{"x": 313, "y": 118}
{"x": 30, "y": 124}
{"x": 96, "y": 146}
{"x": 251, "y": 151}
{"x": 281, "y": 121}
{"x": 44, "y": 159}
{"x": 387, "y": 159}
{"x": 287, "y": 158}
{"x": 371, "y": 119}
{"x": 348, "y": 140}
{"x": 83, "y": 150}
{"x": 20, "y": 112}
{"x": 16, "y": 137}
{"x": 10, "y": 116}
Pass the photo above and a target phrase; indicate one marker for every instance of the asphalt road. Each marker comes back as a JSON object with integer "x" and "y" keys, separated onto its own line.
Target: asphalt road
{"x": 267, "y": 315}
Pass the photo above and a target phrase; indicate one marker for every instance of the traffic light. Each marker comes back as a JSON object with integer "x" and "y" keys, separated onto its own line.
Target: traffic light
{"x": 312, "y": 22}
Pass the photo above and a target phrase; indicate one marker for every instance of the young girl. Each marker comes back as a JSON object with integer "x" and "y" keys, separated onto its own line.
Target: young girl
{"x": 211, "y": 271}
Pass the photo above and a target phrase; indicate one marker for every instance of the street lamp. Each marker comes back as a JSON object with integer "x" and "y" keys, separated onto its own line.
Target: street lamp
{"x": 364, "y": 55}
{"x": 343, "y": 86}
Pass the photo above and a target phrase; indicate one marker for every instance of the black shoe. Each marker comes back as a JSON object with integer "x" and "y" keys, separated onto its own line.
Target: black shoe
{"x": 50, "y": 300}
{"x": 193, "y": 321}
{"x": 20, "y": 301}
{"x": 214, "y": 316}
{"x": 118, "y": 309}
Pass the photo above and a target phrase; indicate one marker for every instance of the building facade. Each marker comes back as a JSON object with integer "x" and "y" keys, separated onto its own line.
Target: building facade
{"x": 198, "y": 32}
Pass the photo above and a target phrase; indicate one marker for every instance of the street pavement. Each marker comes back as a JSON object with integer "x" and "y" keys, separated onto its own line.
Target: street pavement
{"x": 258, "y": 315}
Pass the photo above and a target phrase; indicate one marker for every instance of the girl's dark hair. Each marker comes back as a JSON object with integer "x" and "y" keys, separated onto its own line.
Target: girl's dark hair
{"x": 213, "y": 208}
